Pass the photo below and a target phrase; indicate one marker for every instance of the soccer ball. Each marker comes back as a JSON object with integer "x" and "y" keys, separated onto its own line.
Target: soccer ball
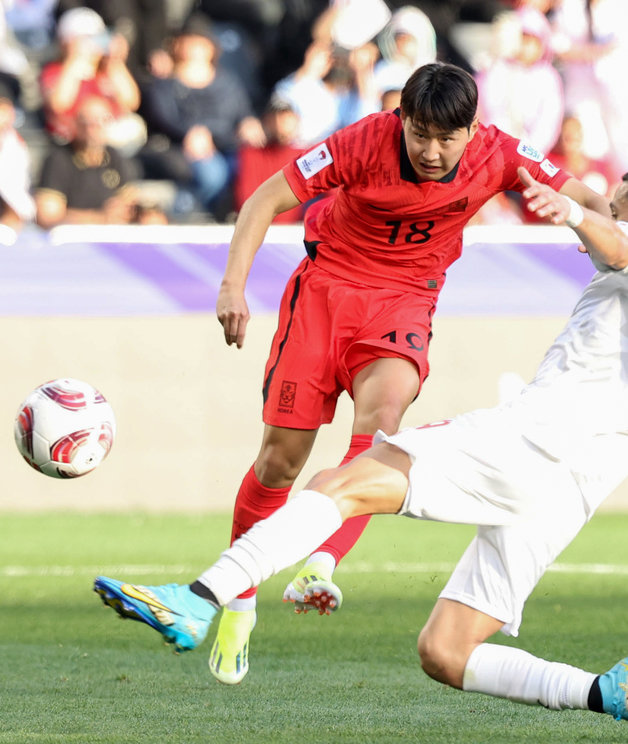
{"x": 64, "y": 428}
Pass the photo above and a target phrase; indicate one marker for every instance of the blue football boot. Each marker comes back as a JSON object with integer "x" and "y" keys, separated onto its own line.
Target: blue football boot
{"x": 614, "y": 689}
{"x": 182, "y": 617}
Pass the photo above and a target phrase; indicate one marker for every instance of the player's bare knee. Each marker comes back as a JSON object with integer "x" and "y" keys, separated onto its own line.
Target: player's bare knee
{"x": 333, "y": 483}
{"x": 440, "y": 659}
{"x": 275, "y": 469}
{"x": 386, "y": 416}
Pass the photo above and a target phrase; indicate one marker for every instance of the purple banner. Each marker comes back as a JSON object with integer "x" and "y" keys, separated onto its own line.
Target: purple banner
{"x": 115, "y": 273}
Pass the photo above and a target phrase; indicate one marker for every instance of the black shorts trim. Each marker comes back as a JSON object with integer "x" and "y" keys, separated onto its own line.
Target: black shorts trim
{"x": 293, "y": 302}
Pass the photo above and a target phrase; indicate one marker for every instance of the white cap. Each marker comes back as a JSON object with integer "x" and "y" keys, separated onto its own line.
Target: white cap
{"x": 412, "y": 21}
{"x": 78, "y": 22}
{"x": 358, "y": 21}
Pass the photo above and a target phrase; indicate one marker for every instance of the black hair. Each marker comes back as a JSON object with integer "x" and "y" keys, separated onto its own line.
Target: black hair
{"x": 624, "y": 177}
{"x": 442, "y": 95}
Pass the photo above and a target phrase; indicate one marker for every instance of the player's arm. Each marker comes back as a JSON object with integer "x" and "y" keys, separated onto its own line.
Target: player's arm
{"x": 580, "y": 192}
{"x": 258, "y": 211}
{"x": 602, "y": 238}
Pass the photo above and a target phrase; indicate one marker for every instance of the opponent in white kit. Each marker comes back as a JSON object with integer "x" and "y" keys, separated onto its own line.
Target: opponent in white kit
{"x": 529, "y": 473}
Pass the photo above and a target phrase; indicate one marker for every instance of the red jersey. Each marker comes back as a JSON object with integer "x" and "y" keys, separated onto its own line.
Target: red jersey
{"x": 382, "y": 226}
{"x": 255, "y": 165}
{"x": 62, "y": 124}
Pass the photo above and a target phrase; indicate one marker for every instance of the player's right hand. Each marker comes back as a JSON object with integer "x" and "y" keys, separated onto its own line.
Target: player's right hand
{"x": 233, "y": 314}
{"x": 542, "y": 199}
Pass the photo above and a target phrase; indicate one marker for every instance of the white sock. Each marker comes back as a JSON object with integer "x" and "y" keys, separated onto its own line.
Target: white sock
{"x": 327, "y": 559}
{"x": 516, "y": 675}
{"x": 273, "y": 544}
{"x": 242, "y": 604}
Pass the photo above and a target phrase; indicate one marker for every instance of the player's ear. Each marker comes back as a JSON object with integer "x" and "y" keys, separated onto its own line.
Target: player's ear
{"x": 473, "y": 128}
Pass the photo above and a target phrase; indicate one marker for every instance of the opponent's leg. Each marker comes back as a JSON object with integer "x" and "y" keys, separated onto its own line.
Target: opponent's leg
{"x": 374, "y": 483}
{"x": 453, "y": 651}
{"x": 320, "y": 565}
{"x": 514, "y": 674}
{"x": 382, "y": 391}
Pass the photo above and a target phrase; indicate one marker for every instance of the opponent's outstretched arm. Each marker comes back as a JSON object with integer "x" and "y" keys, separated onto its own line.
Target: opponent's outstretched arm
{"x": 602, "y": 238}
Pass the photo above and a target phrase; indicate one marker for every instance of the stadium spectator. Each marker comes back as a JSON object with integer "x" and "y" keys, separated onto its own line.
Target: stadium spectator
{"x": 16, "y": 203}
{"x": 333, "y": 87}
{"x": 258, "y": 17}
{"x": 197, "y": 118}
{"x": 598, "y": 174}
{"x": 245, "y": 31}
{"x": 529, "y": 473}
{"x": 32, "y": 23}
{"x": 521, "y": 92}
{"x": 13, "y": 61}
{"x": 350, "y": 24}
{"x": 449, "y": 17}
{"x": 577, "y": 49}
{"x": 394, "y": 192}
{"x": 390, "y": 99}
{"x": 293, "y": 35}
{"x": 591, "y": 39}
{"x": 407, "y": 42}
{"x": 92, "y": 62}
{"x": 87, "y": 180}
{"x": 142, "y": 23}
{"x": 256, "y": 164}
{"x": 609, "y": 23}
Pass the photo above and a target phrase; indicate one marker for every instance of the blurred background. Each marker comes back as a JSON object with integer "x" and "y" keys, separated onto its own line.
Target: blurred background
{"x": 130, "y": 135}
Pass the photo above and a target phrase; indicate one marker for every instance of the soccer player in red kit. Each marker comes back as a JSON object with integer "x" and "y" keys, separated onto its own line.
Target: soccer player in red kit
{"x": 356, "y": 314}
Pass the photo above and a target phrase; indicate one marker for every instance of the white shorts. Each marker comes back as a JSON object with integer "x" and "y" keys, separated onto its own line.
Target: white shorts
{"x": 528, "y": 506}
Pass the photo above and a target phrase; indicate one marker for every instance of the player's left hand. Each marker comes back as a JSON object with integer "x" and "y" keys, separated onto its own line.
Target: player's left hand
{"x": 233, "y": 314}
{"x": 543, "y": 200}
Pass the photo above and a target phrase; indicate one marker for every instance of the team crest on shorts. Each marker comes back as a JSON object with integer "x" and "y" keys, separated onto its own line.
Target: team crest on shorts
{"x": 287, "y": 396}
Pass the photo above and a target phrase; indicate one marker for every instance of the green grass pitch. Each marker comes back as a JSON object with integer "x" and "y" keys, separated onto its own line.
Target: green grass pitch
{"x": 71, "y": 671}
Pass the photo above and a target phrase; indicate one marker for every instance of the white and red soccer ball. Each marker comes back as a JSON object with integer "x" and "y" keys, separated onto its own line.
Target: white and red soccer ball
{"x": 64, "y": 428}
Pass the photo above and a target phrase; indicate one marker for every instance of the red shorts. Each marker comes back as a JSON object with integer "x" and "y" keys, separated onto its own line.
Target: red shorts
{"x": 329, "y": 329}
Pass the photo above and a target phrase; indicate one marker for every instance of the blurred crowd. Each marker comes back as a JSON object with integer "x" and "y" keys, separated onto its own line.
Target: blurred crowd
{"x": 174, "y": 111}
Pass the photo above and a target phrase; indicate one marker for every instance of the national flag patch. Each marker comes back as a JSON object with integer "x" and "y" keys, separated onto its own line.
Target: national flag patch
{"x": 549, "y": 168}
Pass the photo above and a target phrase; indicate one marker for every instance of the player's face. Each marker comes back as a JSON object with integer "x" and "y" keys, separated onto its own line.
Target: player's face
{"x": 434, "y": 152}
{"x": 619, "y": 203}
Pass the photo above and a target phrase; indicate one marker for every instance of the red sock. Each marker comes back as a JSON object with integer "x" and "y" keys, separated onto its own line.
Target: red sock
{"x": 253, "y": 503}
{"x": 341, "y": 542}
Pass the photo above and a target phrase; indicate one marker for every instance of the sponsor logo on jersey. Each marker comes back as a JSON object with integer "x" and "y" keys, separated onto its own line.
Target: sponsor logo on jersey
{"x": 314, "y": 161}
{"x": 549, "y": 168}
{"x": 530, "y": 152}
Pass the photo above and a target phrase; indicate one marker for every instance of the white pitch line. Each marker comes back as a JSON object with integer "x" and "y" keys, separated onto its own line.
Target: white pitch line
{"x": 357, "y": 567}
{"x": 392, "y": 567}
{"x": 141, "y": 570}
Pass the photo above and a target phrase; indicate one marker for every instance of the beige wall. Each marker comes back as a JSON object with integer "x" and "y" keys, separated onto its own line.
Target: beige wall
{"x": 188, "y": 407}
